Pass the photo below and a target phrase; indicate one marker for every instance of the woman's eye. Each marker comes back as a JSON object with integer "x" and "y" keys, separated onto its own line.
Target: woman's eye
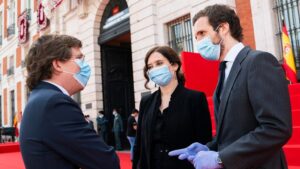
{"x": 159, "y": 63}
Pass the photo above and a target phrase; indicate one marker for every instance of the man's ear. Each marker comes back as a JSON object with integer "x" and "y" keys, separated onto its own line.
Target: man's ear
{"x": 57, "y": 66}
{"x": 225, "y": 29}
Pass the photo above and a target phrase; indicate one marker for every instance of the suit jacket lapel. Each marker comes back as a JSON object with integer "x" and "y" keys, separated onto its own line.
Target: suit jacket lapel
{"x": 151, "y": 115}
{"x": 234, "y": 72}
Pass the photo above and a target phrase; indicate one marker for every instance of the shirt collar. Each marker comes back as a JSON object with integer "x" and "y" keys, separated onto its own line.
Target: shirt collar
{"x": 58, "y": 86}
{"x": 233, "y": 52}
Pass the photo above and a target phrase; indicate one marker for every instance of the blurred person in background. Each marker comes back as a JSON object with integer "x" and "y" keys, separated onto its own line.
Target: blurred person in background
{"x": 117, "y": 129}
{"x": 131, "y": 130}
{"x": 102, "y": 123}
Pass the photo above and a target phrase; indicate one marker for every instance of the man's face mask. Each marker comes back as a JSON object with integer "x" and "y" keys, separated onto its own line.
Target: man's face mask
{"x": 207, "y": 49}
{"x": 83, "y": 75}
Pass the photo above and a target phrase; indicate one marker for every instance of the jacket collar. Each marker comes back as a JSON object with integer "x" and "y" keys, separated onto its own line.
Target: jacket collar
{"x": 177, "y": 90}
{"x": 46, "y": 85}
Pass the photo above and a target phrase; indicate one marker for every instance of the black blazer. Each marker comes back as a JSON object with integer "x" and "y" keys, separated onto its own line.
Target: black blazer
{"x": 254, "y": 118}
{"x": 54, "y": 134}
{"x": 188, "y": 122}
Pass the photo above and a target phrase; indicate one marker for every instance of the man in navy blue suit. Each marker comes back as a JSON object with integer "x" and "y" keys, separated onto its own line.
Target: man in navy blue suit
{"x": 54, "y": 133}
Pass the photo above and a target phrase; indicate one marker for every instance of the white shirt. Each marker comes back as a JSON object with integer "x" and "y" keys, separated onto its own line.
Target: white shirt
{"x": 58, "y": 86}
{"x": 230, "y": 57}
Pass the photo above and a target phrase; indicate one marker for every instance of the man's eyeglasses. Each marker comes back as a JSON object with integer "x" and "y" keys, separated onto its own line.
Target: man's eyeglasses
{"x": 79, "y": 57}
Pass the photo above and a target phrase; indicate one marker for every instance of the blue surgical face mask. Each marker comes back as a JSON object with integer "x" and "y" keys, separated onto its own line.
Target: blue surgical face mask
{"x": 160, "y": 75}
{"x": 83, "y": 75}
{"x": 207, "y": 49}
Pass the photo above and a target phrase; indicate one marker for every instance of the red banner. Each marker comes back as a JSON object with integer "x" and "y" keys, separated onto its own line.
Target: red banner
{"x": 23, "y": 27}
{"x": 42, "y": 20}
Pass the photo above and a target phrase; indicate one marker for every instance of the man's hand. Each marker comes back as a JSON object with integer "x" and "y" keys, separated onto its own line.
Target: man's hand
{"x": 206, "y": 160}
{"x": 189, "y": 152}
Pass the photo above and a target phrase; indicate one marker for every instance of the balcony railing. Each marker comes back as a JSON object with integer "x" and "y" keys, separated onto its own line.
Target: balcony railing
{"x": 11, "y": 29}
{"x": 23, "y": 65}
{"x": 10, "y": 71}
{"x": 28, "y": 14}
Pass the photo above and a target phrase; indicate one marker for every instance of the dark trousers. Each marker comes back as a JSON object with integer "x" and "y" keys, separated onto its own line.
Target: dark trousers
{"x": 118, "y": 140}
{"x": 103, "y": 134}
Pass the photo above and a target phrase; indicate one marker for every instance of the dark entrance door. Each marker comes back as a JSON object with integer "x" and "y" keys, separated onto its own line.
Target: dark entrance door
{"x": 117, "y": 79}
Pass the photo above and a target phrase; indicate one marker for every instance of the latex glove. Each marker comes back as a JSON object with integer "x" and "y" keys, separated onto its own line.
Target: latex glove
{"x": 206, "y": 160}
{"x": 189, "y": 152}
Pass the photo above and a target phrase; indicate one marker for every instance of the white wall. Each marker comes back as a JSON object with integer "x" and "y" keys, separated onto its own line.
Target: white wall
{"x": 264, "y": 24}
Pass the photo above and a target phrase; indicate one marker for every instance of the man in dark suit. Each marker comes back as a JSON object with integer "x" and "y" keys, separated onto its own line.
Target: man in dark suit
{"x": 251, "y": 101}
{"x": 102, "y": 123}
{"x": 54, "y": 133}
{"x": 117, "y": 129}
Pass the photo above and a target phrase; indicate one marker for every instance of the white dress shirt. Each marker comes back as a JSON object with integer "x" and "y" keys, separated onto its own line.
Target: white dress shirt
{"x": 230, "y": 58}
{"x": 58, "y": 86}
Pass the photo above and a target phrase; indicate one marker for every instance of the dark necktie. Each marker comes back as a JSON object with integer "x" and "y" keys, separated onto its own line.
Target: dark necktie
{"x": 222, "y": 67}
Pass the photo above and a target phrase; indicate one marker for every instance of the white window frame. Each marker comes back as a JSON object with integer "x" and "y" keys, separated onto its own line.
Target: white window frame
{"x": 183, "y": 33}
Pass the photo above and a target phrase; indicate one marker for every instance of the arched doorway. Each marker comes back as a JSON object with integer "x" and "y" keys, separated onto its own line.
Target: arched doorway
{"x": 116, "y": 64}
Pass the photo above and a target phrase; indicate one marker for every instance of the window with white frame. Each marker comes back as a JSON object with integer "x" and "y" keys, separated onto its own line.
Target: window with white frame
{"x": 0, "y": 73}
{"x": 0, "y": 111}
{"x": 1, "y": 26}
{"x": 73, "y": 4}
{"x": 28, "y": 8}
{"x": 26, "y": 5}
{"x": 12, "y": 102}
{"x": 11, "y": 66}
{"x": 289, "y": 10}
{"x": 11, "y": 17}
{"x": 180, "y": 34}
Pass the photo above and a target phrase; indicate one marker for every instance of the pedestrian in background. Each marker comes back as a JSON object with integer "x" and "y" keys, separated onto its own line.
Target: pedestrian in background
{"x": 102, "y": 123}
{"x": 91, "y": 123}
{"x": 117, "y": 129}
{"x": 131, "y": 130}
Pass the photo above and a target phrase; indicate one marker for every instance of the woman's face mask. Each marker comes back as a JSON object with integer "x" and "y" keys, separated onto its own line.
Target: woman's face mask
{"x": 160, "y": 75}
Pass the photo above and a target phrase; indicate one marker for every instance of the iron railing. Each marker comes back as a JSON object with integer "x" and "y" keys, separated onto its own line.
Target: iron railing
{"x": 289, "y": 11}
{"x": 180, "y": 34}
{"x": 11, "y": 29}
{"x": 10, "y": 71}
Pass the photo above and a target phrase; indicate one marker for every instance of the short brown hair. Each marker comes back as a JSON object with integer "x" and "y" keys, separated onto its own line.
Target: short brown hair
{"x": 218, "y": 14}
{"x": 172, "y": 57}
{"x": 41, "y": 54}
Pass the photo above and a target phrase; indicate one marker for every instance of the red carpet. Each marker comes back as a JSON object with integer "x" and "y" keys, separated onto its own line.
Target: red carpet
{"x": 11, "y": 160}
{"x": 10, "y": 157}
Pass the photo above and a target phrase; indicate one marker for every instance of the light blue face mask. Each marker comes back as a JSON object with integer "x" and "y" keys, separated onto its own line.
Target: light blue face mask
{"x": 84, "y": 74}
{"x": 160, "y": 75}
{"x": 207, "y": 49}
